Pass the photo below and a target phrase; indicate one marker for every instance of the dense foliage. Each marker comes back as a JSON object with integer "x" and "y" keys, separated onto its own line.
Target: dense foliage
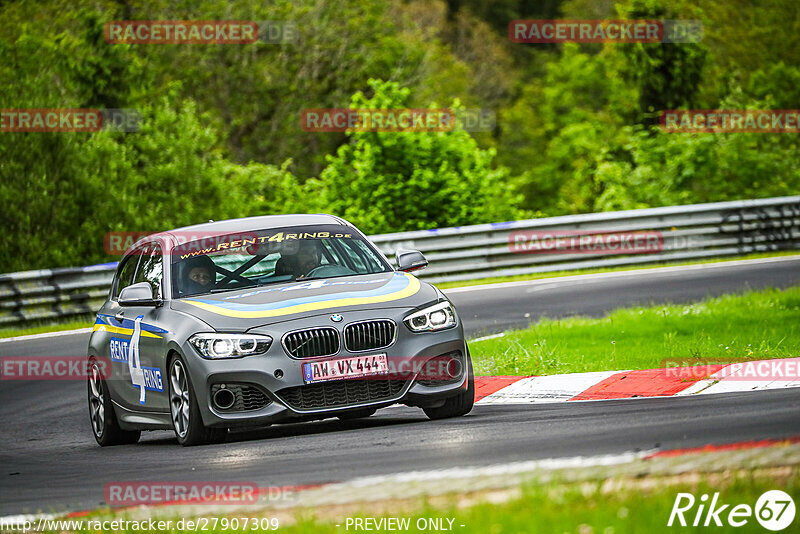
{"x": 221, "y": 133}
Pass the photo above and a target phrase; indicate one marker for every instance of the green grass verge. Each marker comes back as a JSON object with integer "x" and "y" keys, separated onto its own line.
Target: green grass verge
{"x": 591, "y": 508}
{"x": 608, "y": 506}
{"x": 43, "y": 328}
{"x": 555, "y": 274}
{"x": 753, "y": 325}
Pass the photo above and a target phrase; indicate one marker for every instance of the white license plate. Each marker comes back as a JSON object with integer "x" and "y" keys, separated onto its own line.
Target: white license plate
{"x": 350, "y": 367}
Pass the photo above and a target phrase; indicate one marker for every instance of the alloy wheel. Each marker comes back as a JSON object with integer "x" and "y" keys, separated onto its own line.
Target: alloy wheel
{"x": 97, "y": 408}
{"x": 179, "y": 398}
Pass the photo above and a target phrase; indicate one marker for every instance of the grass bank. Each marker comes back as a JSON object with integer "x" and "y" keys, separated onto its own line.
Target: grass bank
{"x": 754, "y": 325}
{"x": 599, "y": 507}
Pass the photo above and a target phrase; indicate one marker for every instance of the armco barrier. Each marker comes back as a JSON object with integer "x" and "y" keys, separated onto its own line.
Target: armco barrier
{"x": 474, "y": 252}
{"x": 689, "y": 232}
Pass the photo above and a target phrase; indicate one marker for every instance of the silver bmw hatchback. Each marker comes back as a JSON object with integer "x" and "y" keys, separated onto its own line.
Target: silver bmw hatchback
{"x": 274, "y": 319}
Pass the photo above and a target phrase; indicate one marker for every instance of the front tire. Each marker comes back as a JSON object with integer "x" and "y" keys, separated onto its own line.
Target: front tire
{"x": 105, "y": 426}
{"x": 184, "y": 410}
{"x": 457, "y": 405}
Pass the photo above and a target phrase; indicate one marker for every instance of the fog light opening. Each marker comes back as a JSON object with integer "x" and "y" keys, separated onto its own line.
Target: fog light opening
{"x": 453, "y": 368}
{"x": 224, "y": 399}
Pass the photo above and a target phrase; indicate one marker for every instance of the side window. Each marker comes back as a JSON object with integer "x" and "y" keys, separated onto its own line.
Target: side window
{"x": 367, "y": 254}
{"x": 126, "y": 272}
{"x": 362, "y": 257}
{"x": 357, "y": 262}
{"x": 150, "y": 269}
{"x": 328, "y": 255}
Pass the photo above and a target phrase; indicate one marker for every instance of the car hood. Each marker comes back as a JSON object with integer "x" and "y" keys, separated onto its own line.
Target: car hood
{"x": 248, "y": 308}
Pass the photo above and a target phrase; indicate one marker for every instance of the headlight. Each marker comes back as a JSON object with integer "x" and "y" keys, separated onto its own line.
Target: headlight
{"x": 216, "y": 346}
{"x": 437, "y": 317}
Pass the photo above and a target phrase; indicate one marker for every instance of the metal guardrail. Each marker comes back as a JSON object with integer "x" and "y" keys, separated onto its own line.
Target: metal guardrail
{"x": 481, "y": 251}
{"x": 48, "y": 294}
{"x": 689, "y": 232}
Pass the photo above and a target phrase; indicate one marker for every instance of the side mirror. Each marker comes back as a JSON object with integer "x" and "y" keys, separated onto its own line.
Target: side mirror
{"x": 410, "y": 260}
{"x": 140, "y": 294}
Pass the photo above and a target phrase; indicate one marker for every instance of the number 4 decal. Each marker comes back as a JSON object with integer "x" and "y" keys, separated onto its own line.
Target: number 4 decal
{"x": 134, "y": 365}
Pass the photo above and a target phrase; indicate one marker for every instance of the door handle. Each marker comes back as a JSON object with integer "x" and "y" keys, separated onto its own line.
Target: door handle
{"x": 119, "y": 316}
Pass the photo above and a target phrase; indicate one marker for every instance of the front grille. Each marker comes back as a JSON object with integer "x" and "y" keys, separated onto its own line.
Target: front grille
{"x": 369, "y": 335}
{"x": 340, "y": 393}
{"x": 312, "y": 342}
{"x": 248, "y": 397}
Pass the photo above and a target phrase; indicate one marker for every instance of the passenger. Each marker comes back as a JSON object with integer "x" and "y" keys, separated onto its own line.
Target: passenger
{"x": 198, "y": 275}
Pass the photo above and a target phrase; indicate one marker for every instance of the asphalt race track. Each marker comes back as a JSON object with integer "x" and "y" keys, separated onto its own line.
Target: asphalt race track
{"x": 50, "y": 461}
{"x": 514, "y": 305}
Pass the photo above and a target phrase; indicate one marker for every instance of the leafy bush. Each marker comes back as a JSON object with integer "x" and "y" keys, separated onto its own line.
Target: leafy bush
{"x": 394, "y": 181}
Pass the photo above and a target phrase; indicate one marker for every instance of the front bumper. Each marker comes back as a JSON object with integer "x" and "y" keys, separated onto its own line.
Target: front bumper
{"x": 278, "y": 375}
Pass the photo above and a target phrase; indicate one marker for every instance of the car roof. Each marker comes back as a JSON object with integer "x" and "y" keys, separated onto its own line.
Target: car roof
{"x": 247, "y": 224}
{"x": 261, "y": 222}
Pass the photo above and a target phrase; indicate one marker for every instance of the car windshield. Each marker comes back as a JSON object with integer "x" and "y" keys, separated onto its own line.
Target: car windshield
{"x": 215, "y": 263}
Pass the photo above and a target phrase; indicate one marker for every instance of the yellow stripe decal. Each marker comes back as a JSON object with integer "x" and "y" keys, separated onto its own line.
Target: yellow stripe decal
{"x": 121, "y": 331}
{"x": 411, "y": 289}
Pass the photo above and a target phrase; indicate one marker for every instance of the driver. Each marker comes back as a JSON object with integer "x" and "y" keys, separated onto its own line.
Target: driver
{"x": 198, "y": 275}
{"x": 307, "y": 258}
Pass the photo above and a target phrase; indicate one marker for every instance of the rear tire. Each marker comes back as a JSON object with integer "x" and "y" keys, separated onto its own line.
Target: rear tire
{"x": 457, "y": 405}
{"x": 184, "y": 410}
{"x": 105, "y": 427}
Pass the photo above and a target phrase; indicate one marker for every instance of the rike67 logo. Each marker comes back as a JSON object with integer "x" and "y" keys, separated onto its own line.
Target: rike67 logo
{"x": 774, "y": 510}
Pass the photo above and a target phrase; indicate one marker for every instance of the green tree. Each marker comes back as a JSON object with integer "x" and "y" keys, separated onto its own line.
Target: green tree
{"x": 393, "y": 181}
{"x": 554, "y": 133}
{"x": 667, "y": 75}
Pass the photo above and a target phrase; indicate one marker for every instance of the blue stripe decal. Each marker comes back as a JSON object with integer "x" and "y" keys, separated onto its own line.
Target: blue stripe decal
{"x": 127, "y": 323}
{"x": 397, "y": 283}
